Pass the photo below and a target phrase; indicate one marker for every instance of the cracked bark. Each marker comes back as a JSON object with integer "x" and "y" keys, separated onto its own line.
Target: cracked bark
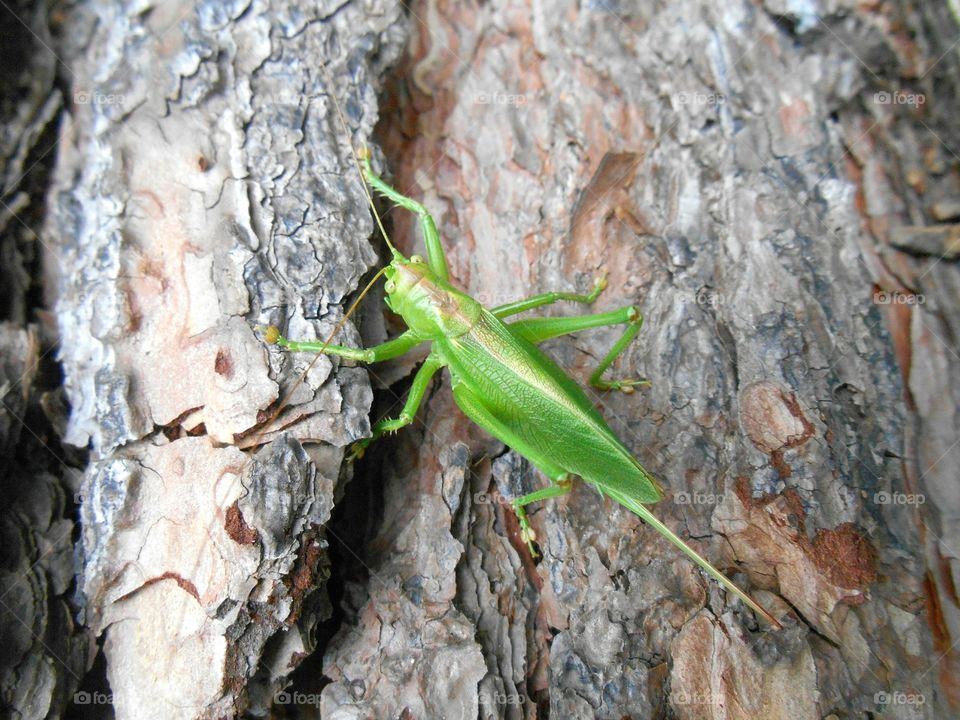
{"x": 743, "y": 179}
{"x": 203, "y": 187}
{"x": 43, "y": 650}
{"x": 787, "y": 232}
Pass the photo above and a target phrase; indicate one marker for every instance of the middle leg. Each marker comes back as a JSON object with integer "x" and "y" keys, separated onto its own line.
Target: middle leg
{"x": 548, "y": 298}
{"x": 536, "y": 330}
{"x": 417, "y": 390}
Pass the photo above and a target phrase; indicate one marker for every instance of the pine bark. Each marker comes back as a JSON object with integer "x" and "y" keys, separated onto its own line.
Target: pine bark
{"x": 775, "y": 189}
{"x": 203, "y": 188}
{"x": 761, "y": 182}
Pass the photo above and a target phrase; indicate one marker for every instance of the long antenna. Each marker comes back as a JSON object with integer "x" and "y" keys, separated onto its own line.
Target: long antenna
{"x": 356, "y": 161}
{"x": 265, "y": 428}
{"x": 270, "y": 330}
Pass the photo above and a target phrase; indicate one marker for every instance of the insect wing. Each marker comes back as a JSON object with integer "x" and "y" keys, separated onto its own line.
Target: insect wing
{"x": 534, "y": 401}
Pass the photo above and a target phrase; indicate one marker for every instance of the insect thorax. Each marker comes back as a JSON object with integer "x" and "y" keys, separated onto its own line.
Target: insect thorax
{"x": 434, "y": 309}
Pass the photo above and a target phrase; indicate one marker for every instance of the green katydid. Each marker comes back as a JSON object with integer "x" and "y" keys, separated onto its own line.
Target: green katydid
{"x": 505, "y": 384}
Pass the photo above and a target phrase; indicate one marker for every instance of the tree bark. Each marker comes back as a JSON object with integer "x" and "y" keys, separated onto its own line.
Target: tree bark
{"x": 741, "y": 176}
{"x": 43, "y": 651}
{"x": 203, "y": 188}
{"x": 774, "y": 188}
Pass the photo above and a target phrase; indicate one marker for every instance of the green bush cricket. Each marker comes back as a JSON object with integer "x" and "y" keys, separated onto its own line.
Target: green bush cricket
{"x": 504, "y": 383}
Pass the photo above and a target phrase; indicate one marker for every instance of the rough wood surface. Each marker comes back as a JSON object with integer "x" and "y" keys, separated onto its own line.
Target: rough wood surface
{"x": 775, "y": 187}
{"x": 43, "y": 651}
{"x": 737, "y": 171}
{"x": 203, "y": 187}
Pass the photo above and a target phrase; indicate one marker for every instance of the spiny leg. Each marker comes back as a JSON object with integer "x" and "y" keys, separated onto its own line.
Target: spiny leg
{"x": 417, "y": 390}
{"x": 535, "y": 301}
{"x": 536, "y": 330}
{"x": 431, "y": 238}
{"x": 385, "y": 351}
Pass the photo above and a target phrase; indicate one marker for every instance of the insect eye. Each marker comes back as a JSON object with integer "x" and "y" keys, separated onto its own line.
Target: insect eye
{"x": 416, "y": 259}
{"x": 389, "y": 286}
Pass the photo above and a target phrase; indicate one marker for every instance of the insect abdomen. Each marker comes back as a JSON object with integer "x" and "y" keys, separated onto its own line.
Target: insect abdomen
{"x": 536, "y": 403}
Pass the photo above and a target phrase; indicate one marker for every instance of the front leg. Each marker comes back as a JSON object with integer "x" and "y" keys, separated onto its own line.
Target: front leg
{"x": 385, "y": 351}
{"x": 431, "y": 237}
